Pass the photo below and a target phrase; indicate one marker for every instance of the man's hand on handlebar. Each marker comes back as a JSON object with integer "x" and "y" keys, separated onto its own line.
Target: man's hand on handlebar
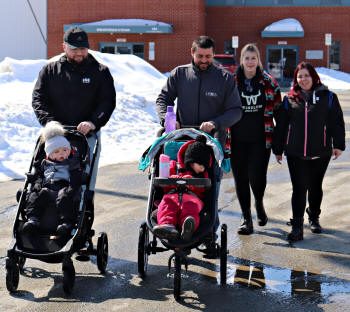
{"x": 207, "y": 126}
{"x": 85, "y": 127}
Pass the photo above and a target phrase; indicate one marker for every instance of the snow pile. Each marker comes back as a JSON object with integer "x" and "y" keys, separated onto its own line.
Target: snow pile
{"x": 129, "y": 132}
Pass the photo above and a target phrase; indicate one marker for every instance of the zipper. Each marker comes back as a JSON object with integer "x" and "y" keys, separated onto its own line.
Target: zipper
{"x": 288, "y": 134}
{"x": 199, "y": 97}
{"x": 306, "y": 125}
{"x": 324, "y": 136}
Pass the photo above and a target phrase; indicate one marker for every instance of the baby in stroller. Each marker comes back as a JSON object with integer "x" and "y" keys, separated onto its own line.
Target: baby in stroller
{"x": 181, "y": 210}
{"x": 58, "y": 183}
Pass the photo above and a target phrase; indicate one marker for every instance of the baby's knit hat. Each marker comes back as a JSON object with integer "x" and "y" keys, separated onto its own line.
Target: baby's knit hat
{"x": 198, "y": 152}
{"x": 53, "y": 136}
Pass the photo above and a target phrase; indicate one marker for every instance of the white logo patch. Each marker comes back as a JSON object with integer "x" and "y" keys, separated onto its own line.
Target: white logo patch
{"x": 211, "y": 94}
{"x": 85, "y": 80}
{"x": 251, "y": 99}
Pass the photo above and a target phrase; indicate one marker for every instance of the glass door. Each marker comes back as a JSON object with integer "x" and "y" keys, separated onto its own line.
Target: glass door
{"x": 281, "y": 63}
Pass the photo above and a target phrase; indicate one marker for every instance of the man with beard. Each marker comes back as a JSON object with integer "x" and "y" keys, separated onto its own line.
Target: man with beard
{"x": 76, "y": 91}
{"x": 207, "y": 98}
{"x": 207, "y": 95}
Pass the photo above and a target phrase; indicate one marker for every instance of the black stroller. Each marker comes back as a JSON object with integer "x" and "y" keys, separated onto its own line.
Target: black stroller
{"x": 46, "y": 245}
{"x": 169, "y": 144}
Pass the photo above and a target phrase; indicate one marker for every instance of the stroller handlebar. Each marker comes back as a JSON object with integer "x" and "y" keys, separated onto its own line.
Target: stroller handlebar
{"x": 181, "y": 182}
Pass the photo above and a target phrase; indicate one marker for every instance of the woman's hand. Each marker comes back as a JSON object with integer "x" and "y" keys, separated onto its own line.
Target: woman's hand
{"x": 336, "y": 153}
{"x": 279, "y": 158}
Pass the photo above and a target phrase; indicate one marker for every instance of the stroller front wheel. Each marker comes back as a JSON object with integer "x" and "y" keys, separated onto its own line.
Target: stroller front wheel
{"x": 143, "y": 250}
{"x": 12, "y": 274}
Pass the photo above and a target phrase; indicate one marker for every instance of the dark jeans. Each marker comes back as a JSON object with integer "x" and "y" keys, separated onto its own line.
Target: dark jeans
{"x": 249, "y": 162}
{"x": 307, "y": 177}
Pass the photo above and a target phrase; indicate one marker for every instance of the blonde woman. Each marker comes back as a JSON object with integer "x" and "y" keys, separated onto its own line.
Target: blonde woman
{"x": 251, "y": 137}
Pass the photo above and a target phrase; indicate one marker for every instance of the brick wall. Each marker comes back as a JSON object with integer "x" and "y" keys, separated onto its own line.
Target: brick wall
{"x": 248, "y": 22}
{"x": 192, "y": 18}
{"x": 187, "y": 18}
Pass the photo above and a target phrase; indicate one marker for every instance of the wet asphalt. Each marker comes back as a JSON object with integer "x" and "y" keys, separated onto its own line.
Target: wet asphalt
{"x": 265, "y": 272}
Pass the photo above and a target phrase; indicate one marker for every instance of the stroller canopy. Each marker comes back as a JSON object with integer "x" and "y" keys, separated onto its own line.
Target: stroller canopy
{"x": 152, "y": 151}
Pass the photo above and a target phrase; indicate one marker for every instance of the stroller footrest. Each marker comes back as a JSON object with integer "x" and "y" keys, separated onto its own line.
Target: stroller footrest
{"x": 154, "y": 250}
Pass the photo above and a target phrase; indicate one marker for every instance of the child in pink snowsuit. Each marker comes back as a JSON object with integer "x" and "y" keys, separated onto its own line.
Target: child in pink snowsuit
{"x": 182, "y": 211}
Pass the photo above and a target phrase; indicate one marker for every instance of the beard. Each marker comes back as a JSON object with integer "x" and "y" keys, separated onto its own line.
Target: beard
{"x": 202, "y": 65}
{"x": 77, "y": 59}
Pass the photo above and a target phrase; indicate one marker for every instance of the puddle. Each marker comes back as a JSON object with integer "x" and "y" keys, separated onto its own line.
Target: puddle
{"x": 286, "y": 282}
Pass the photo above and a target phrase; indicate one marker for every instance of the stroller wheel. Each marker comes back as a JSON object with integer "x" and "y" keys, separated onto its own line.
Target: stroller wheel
{"x": 223, "y": 255}
{"x": 177, "y": 277}
{"x": 68, "y": 275}
{"x": 102, "y": 252}
{"x": 143, "y": 250}
{"x": 12, "y": 274}
{"x": 21, "y": 262}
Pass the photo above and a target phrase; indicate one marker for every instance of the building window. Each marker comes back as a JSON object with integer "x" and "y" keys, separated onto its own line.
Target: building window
{"x": 284, "y": 2}
{"x": 137, "y": 49}
{"x": 228, "y": 47}
{"x": 330, "y": 2}
{"x": 108, "y": 49}
{"x": 334, "y": 55}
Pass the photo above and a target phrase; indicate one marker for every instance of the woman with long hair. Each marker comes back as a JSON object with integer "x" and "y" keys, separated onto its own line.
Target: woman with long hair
{"x": 251, "y": 137}
{"x": 309, "y": 130}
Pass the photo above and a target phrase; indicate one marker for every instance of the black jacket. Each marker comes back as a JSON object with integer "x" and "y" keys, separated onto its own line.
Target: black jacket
{"x": 309, "y": 128}
{"x": 209, "y": 95}
{"x": 72, "y": 93}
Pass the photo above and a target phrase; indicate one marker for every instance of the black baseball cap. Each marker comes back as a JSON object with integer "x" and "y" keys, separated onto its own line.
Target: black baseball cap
{"x": 76, "y": 38}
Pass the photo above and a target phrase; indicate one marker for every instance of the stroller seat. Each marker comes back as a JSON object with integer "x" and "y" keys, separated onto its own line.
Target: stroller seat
{"x": 46, "y": 240}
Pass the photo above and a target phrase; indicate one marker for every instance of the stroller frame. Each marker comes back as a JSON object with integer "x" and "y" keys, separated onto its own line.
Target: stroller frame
{"x": 81, "y": 241}
{"x": 181, "y": 249}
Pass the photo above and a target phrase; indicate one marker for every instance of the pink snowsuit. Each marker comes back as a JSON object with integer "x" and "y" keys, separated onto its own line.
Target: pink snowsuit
{"x": 170, "y": 209}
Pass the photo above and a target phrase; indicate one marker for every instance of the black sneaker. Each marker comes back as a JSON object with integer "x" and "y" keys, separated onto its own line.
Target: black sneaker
{"x": 31, "y": 226}
{"x": 246, "y": 228}
{"x": 188, "y": 228}
{"x": 64, "y": 229}
{"x": 165, "y": 231}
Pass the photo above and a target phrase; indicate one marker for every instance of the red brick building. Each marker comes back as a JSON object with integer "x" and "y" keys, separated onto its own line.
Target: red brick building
{"x": 171, "y": 49}
{"x": 184, "y": 20}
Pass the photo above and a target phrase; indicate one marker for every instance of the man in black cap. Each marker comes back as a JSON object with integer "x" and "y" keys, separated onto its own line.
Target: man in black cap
{"x": 76, "y": 90}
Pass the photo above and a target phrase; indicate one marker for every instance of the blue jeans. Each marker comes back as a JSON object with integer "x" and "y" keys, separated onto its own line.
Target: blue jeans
{"x": 92, "y": 141}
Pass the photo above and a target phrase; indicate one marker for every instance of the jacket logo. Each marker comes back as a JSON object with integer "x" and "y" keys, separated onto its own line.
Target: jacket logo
{"x": 85, "y": 80}
{"x": 251, "y": 99}
{"x": 212, "y": 94}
